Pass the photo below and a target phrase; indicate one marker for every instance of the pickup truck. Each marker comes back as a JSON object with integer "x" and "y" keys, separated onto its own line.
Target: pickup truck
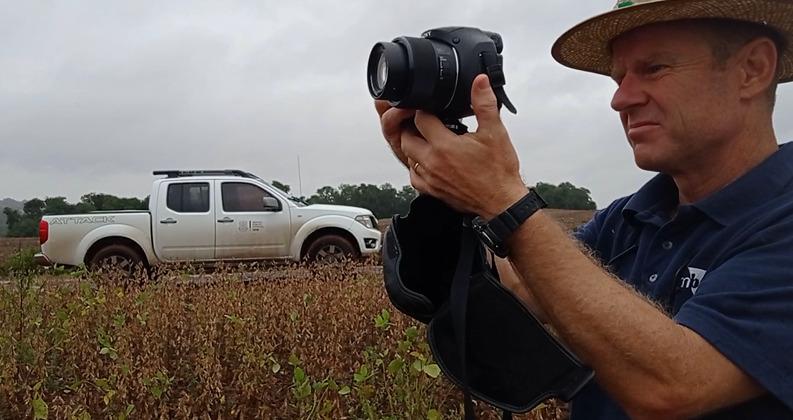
{"x": 204, "y": 216}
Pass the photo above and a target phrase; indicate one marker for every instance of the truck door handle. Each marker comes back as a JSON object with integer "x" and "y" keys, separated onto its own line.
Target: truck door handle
{"x": 225, "y": 220}
{"x": 168, "y": 221}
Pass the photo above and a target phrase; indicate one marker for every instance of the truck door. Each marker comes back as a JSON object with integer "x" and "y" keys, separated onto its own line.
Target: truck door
{"x": 244, "y": 227}
{"x": 184, "y": 227}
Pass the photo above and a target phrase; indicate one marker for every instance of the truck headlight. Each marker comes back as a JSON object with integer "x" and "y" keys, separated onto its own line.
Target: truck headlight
{"x": 365, "y": 220}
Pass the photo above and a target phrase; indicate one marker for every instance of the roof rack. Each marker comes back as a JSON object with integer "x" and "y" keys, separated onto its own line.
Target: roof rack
{"x": 205, "y": 172}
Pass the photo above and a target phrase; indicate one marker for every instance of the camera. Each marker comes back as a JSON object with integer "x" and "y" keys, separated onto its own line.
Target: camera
{"x": 435, "y": 72}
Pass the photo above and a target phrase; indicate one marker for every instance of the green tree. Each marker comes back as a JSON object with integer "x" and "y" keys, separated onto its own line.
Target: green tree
{"x": 281, "y": 186}
{"x": 34, "y": 208}
{"x": 383, "y": 201}
{"x": 566, "y": 196}
{"x": 26, "y": 223}
{"x": 21, "y": 225}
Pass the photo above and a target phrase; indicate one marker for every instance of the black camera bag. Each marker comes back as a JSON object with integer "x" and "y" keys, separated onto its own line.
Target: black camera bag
{"x": 483, "y": 338}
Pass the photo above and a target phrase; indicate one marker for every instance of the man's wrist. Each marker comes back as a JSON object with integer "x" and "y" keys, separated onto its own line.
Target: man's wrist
{"x": 504, "y": 201}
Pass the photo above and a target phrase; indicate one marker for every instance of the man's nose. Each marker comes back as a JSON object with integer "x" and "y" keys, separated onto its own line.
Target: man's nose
{"x": 629, "y": 94}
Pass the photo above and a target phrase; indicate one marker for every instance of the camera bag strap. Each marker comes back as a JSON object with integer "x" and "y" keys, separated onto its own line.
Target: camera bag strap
{"x": 458, "y": 301}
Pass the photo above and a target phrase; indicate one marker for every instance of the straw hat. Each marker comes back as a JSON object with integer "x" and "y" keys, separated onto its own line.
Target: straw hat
{"x": 586, "y": 45}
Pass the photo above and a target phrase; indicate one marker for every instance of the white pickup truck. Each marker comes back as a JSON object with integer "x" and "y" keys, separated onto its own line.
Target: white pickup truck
{"x": 209, "y": 216}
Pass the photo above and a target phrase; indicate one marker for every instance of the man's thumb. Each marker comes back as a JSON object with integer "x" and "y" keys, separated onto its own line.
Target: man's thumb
{"x": 484, "y": 103}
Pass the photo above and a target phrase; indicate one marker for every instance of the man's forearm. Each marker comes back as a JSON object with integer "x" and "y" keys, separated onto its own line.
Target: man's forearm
{"x": 639, "y": 354}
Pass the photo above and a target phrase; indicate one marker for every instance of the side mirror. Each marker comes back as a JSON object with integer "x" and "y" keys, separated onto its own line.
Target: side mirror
{"x": 271, "y": 204}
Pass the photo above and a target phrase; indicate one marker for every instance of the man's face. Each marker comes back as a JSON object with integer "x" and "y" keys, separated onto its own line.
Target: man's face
{"x": 677, "y": 106}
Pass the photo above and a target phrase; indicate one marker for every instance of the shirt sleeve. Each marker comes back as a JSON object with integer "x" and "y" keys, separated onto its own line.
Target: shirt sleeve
{"x": 587, "y": 233}
{"x": 744, "y": 308}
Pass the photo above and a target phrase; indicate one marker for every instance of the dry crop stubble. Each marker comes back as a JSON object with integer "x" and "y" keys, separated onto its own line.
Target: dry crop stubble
{"x": 237, "y": 342}
{"x": 312, "y": 343}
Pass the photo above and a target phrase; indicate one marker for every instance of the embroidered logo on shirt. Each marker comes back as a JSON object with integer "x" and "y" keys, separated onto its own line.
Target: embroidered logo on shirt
{"x": 693, "y": 279}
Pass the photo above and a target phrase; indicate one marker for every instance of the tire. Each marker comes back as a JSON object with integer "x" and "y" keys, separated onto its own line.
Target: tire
{"x": 118, "y": 257}
{"x": 330, "y": 249}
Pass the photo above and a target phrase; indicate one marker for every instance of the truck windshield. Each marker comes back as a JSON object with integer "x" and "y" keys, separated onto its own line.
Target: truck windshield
{"x": 299, "y": 201}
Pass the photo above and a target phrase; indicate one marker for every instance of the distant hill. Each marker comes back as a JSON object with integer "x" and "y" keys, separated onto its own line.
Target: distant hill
{"x": 8, "y": 202}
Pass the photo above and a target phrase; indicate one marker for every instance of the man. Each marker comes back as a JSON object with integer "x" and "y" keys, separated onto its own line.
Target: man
{"x": 683, "y": 302}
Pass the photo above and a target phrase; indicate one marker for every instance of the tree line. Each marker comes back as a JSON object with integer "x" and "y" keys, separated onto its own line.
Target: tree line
{"x": 384, "y": 201}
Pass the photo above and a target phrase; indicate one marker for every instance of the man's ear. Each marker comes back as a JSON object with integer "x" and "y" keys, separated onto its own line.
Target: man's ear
{"x": 757, "y": 62}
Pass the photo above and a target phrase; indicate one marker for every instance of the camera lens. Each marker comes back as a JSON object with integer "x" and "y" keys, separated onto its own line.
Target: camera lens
{"x": 382, "y": 73}
{"x": 387, "y": 71}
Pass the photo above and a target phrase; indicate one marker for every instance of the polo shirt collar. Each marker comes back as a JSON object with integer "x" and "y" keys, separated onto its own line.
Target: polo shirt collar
{"x": 760, "y": 184}
{"x": 652, "y": 201}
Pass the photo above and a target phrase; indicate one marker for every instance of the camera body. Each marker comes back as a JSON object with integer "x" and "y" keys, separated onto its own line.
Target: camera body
{"x": 435, "y": 72}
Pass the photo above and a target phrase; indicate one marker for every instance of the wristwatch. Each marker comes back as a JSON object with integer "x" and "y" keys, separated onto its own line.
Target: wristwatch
{"x": 494, "y": 233}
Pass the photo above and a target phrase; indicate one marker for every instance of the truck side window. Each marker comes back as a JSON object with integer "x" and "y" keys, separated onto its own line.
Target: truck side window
{"x": 241, "y": 196}
{"x": 190, "y": 197}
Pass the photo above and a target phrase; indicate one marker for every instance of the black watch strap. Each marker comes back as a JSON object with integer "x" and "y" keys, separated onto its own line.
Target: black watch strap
{"x": 494, "y": 233}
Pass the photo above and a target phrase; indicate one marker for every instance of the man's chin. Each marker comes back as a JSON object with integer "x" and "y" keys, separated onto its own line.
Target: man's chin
{"x": 648, "y": 163}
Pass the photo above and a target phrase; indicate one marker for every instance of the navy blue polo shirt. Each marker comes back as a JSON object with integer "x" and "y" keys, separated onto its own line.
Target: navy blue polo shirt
{"x": 722, "y": 266}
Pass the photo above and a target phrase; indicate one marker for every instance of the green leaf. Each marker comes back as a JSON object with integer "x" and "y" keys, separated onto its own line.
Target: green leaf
{"x": 294, "y": 360}
{"x": 40, "y": 410}
{"x": 362, "y": 374}
{"x": 103, "y": 384}
{"x": 108, "y": 396}
{"x": 411, "y": 332}
{"x": 395, "y": 366}
{"x": 276, "y": 367}
{"x": 432, "y": 370}
{"x": 299, "y": 375}
{"x": 383, "y": 321}
{"x": 433, "y": 414}
{"x": 319, "y": 386}
{"x": 333, "y": 385}
{"x": 417, "y": 365}
{"x": 344, "y": 390}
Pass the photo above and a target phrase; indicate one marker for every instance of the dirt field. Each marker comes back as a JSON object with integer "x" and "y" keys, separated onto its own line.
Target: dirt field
{"x": 10, "y": 246}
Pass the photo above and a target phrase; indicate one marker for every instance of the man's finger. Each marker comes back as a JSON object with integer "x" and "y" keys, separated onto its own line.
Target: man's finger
{"x": 419, "y": 183}
{"x": 381, "y": 107}
{"x": 392, "y": 119}
{"x": 431, "y": 127}
{"x": 484, "y": 104}
{"x": 415, "y": 147}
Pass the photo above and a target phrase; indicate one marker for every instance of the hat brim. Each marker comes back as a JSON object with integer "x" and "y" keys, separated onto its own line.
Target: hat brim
{"x": 586, "y": 46}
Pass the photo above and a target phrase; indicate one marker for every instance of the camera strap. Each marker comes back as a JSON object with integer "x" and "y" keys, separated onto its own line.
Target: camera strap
{"x": 494, "y": 68}
{"x": 458, "y": 302}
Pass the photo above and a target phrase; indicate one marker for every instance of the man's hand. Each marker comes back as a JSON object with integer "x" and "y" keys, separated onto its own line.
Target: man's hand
{"x": 474, "y": 173}
{"x": 393, "y": 121}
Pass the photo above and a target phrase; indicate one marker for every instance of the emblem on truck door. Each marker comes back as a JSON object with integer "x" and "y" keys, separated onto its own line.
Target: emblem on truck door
{"x": 81, "y": 220}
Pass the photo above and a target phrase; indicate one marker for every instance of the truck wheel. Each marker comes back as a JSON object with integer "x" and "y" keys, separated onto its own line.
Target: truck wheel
{"x": 330, "y": 248}
{"x": 117, "y": 257}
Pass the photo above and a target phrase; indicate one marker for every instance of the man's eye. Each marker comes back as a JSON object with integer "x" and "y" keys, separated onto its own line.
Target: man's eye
{"x": 655, "y": 68}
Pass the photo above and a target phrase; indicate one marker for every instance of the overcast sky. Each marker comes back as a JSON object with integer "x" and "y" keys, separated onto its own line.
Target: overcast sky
{"x": 94, "y": 95}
